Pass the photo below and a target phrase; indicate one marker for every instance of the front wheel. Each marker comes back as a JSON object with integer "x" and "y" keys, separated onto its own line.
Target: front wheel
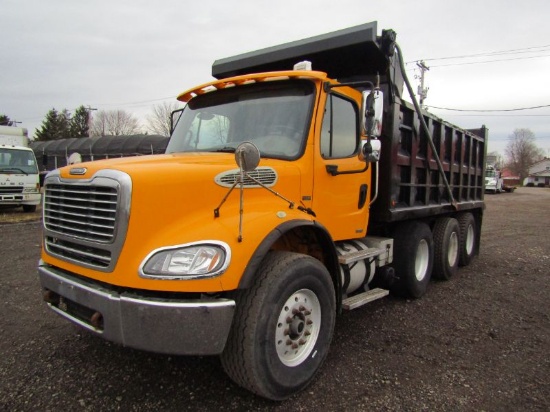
{"x": 283, "y": 326}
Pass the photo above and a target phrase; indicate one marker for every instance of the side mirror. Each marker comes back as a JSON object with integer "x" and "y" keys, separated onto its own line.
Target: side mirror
{"x": 372, "y": 110}
{"x": 370, "y": 151}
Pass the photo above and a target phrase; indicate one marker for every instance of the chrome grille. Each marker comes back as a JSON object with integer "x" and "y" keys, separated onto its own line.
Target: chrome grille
{"x": 84, "y": 211}
{"x": 73, "y": 251}
{"x": 10, "y": 189}
{"x": 265, "y": 175}
{"x": 86, "y": 220}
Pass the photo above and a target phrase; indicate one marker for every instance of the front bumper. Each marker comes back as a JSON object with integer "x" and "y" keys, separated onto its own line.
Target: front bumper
{"x": 18, "y": 199}
{"x": 162, "y": 325}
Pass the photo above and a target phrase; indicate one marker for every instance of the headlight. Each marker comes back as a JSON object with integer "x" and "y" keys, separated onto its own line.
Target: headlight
{"x": 190, "y": 261}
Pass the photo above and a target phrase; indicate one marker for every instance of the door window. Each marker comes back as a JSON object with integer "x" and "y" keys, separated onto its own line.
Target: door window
{"x": 339, "y": 132}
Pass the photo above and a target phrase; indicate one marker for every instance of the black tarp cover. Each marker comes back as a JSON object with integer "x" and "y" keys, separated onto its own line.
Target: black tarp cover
{"x": 55, "y": 153}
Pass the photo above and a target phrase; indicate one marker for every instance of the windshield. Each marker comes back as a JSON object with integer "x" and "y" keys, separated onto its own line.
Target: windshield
{"x": 13, "y": 161}
{"x": 275, "y": 117}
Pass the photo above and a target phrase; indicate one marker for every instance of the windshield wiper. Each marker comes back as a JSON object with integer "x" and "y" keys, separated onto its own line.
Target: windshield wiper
{"x": 10, "y": 169}
{"x": 226, "y": 149}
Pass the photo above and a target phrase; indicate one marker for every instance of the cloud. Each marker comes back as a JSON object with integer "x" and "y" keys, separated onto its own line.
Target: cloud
{"x": 129, "y": 54}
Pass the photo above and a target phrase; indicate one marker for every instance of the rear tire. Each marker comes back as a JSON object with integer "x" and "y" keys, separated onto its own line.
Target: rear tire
{"x": 413, "y": 258}
{"x": 468, "y": 238}
{"x": 446, "y": 234}
{"x": 283, "y": 326}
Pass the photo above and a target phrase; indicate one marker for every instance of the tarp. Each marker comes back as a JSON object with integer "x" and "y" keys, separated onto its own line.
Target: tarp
{"x": 55, "y": 153}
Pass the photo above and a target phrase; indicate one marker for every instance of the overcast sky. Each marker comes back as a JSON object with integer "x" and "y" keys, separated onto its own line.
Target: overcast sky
{"x": 131, "y": 55}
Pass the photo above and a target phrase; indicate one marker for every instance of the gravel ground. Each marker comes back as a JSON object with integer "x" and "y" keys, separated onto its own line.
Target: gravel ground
{"x": 478, "y": 342}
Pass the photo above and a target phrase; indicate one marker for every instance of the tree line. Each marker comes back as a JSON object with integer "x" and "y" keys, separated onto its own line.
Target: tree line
{"x": 87, "y": 122}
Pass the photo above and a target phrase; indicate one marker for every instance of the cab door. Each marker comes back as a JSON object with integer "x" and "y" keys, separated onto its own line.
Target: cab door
{"x": 341, "y": 187}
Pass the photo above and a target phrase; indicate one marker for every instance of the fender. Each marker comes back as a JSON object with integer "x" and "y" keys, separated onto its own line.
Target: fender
{"x": 331, "y": 257}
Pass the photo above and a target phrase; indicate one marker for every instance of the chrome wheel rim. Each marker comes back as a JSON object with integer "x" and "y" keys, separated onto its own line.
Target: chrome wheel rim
{"x": 422, "y": 260}
{"x": 452, "y": 253}
{"x": 469, "y": 239}
{"x": 298, "y": 327}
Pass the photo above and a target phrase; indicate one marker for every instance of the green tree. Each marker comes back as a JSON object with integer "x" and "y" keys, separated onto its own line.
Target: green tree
{"x": 55, "y": 126}
{"x": 521, "y": 152}
{"x": 80, "y": 123}
{"x": 5, "y": 120}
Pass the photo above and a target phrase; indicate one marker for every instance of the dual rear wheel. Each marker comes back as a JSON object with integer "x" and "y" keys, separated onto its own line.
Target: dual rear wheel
{"x": 421, "y": 253}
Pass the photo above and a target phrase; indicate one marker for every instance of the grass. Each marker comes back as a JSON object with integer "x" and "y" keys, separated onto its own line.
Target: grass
{"x": 16, "y": 215}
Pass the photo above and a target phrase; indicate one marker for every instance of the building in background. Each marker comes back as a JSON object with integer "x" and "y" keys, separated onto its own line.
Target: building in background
{"x": 539, "y": 174}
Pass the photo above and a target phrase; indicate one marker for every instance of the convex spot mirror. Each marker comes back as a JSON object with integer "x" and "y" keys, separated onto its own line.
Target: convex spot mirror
{"x": 372, "y": 110}
{"x": 370, "y": 151}
{"x": 247, "y": 156}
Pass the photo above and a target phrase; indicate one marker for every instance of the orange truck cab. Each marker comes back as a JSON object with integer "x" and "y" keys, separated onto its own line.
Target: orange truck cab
{"x": 284, "y": 197}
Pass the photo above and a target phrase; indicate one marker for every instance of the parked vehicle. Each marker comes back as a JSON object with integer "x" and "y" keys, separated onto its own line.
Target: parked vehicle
{"x": 493, "y": 180}
{"x": 19, "y": 182}
{"x": 284, "y": 197}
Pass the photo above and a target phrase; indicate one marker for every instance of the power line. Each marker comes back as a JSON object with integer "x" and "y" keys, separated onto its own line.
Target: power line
{"x": 491, "y": 61}
{"x": 489, "y": 110}
{"x": 136, "y": 103}
{"x": 500, "y": 115}
{"x": 510, "y": 51}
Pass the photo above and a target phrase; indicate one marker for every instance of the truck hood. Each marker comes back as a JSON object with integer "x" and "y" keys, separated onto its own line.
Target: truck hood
{"x": 171, "y": 186}
{"x": 172, "y": 201}
{"x": 190, "y": 174}
{"x": 153, "y": 164}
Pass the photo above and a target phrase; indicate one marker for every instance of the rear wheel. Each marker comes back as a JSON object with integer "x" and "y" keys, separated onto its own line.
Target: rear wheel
{"x": 446, "y": 234}
{"x": 468, "y": 236}
{"x": 282, "y": 327}
{"x": 413, "y": 258}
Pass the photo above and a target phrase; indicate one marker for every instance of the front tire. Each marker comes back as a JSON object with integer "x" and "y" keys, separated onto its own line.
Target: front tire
{"x": 283, "y": 326}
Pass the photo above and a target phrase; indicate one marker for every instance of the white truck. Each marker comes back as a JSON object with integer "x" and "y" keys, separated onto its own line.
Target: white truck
{"x": 493, "y": 180}
{"x": 19, "y": 179}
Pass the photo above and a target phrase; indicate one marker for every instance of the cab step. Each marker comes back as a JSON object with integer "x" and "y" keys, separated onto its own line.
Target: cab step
{"x": 361, "y": 299}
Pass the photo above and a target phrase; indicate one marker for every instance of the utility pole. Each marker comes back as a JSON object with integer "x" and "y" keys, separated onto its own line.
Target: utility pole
{"x": 422, "y": 91}
{"x": 90, "y": 120}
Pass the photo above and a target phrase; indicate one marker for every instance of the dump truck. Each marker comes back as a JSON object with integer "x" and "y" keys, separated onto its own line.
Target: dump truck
{"x": 19, "y": 179}
{"x": 297, "y": 185}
